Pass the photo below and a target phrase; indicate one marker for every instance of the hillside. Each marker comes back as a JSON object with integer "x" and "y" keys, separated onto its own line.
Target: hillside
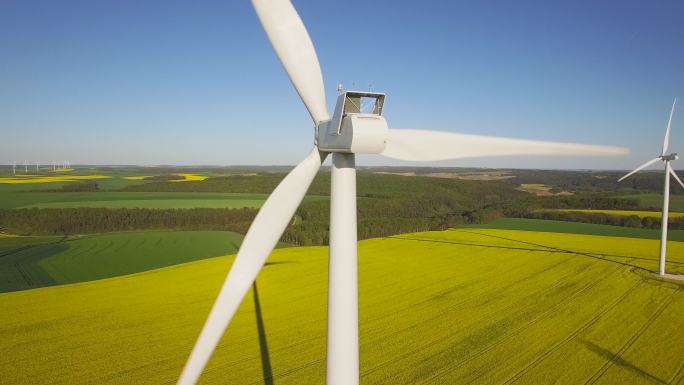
{"x": 471, "y": 305}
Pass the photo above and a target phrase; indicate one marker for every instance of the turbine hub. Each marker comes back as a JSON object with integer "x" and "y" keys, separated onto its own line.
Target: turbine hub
{"x": 357, "y": 126}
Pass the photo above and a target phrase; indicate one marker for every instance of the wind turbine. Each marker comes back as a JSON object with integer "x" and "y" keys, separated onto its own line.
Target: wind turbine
{"x": 25, "y": 167}
{"x": 357, "y": 126}
{"x": 666, "y": 159}
{"x": 14, "y": 167}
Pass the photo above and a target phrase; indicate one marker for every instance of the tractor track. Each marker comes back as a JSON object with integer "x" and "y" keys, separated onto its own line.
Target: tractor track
{"x": 522, "y": 328}
{"x": 456, "y": 307}
{"x": 572, "y": 335}
{"x": 632, "y": 339}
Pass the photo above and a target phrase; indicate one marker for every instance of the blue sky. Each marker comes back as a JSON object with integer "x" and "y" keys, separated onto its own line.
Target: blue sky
{"x": 179, "y": 82}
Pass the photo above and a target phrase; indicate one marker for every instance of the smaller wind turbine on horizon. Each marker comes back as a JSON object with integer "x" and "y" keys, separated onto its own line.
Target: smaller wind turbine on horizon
{"x": 666, "y": 158}
{"x": 25, "y": 167}
{"x": 14, "y": 167}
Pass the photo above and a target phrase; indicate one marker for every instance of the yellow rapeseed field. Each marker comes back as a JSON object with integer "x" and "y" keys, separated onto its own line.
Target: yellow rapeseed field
{"x": 190, "y": 177}
{"x": 451, "y": 307}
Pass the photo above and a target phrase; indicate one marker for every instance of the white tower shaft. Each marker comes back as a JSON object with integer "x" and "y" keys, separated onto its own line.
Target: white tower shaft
{"x": 666, "y": 207}
{"x": 343, "y": 298}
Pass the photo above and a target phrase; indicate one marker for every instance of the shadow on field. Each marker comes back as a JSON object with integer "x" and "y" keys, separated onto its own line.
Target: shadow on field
{"x": 587, "y": 254}
{"x": 263, "y": 344}
{"x": 617, "y": 360}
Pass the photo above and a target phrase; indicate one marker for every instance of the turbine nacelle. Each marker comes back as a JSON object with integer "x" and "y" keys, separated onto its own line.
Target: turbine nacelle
{"x": 670, "y": 157}
{"x": 357, "y": 126}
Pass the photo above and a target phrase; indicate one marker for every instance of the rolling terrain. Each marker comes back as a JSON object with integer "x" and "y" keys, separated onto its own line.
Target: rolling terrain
{"x": 550, "y": 226}
{"x": 655, "y": 201}
{"x": 32, "y": 262}
{"x": 469, "y": 305}
{"x": 641, "y": 214}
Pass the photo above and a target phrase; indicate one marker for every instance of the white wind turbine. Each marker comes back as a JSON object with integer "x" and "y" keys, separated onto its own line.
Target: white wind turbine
{"x": 357, "y": 126}
{"x": 666, "y": 158}
{"x": 14, "y": 167}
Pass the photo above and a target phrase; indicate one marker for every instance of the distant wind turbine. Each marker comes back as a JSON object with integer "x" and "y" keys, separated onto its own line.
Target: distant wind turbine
{"x": 25, "y": 167}
{"x": 357, "y": 126}
{"x": 14, "y": 167}
{"x": 666, "y": 159}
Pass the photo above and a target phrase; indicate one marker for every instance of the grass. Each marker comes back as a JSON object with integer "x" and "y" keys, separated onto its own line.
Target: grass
{"x": 32, "y": 179}
{"x": 115, "y": 199}
{"x": 31, "y": 262}
{"x": 459, "y": 306}
{"x": 542, "y": 225}
{"x": 655, "y": 201}
{"x": 652, "y": 214}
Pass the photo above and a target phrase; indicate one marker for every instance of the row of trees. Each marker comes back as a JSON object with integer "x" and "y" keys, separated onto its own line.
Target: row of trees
{"x": 67, "y": 221}
{"x": 607, "y": 219}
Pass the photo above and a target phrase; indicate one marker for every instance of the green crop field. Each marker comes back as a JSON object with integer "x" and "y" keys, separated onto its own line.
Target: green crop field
{"x": 459, "y": 306}
{"x": 31, "y": 262}
{"x": 642, "y": 214}
{"x": 109, "y": 199}
{"x": 656, "y": 200}
{"x": 577, "y": 228}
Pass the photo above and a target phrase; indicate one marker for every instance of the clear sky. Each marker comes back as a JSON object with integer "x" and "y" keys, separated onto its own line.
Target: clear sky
{"x": 197, "y": 82}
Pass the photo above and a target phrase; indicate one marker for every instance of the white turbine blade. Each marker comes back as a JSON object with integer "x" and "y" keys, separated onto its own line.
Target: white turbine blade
{"x": 262, "y": 237}
{"x": 676, "y": 177}
{"x": 636, "y": 170}
{"x": 666, "y": 141}
{"x": 296, "y": 52}
{"x": 421, "y": 145}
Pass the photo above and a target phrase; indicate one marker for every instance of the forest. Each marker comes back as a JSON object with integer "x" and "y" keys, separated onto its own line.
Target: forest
{"x": 387, "y": 204}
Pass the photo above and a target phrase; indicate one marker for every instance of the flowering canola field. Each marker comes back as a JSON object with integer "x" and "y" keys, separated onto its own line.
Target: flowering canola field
{"x": 459, "y": 306}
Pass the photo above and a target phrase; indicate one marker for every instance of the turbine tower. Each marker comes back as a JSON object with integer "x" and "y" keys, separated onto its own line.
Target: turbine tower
{"x": 14, "y": 167}
{"x": 356, "y": 127}
{"x": 25, "y": 167}
{"x": 666, "y": 159}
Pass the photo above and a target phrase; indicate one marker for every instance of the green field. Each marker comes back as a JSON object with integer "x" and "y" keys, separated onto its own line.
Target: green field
{"x": 655, "y": 201}
{"x": 460, "y": 306}
{"x": 111, "y": 199}
{"x": 577, "y": 228}
{"x": 31, "y": 262}
{"x": 624, "y": 213}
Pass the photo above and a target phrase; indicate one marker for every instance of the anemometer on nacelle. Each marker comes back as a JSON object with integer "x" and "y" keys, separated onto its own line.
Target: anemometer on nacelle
{"x": 357, "y": 125}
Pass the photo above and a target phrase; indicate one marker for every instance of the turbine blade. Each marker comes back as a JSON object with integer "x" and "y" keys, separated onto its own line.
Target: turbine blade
{"x": 643, "y": 166}
{"x": 262, "y": 237}
{"x": 676, "y": 177}
{"x": 666, "y": 141}
{"x": 296, "y": 52}
{"x": 420, "y": 145}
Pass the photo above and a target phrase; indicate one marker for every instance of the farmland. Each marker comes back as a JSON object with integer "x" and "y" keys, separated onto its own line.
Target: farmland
{"x": 32, "y": 262}
{"x": 578, "y": 228}
{"x": 642, "y": 214}
{"x": 116, "y": 199}
{"x": 655, "y": 201}
{"x": 457, "y": 306}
